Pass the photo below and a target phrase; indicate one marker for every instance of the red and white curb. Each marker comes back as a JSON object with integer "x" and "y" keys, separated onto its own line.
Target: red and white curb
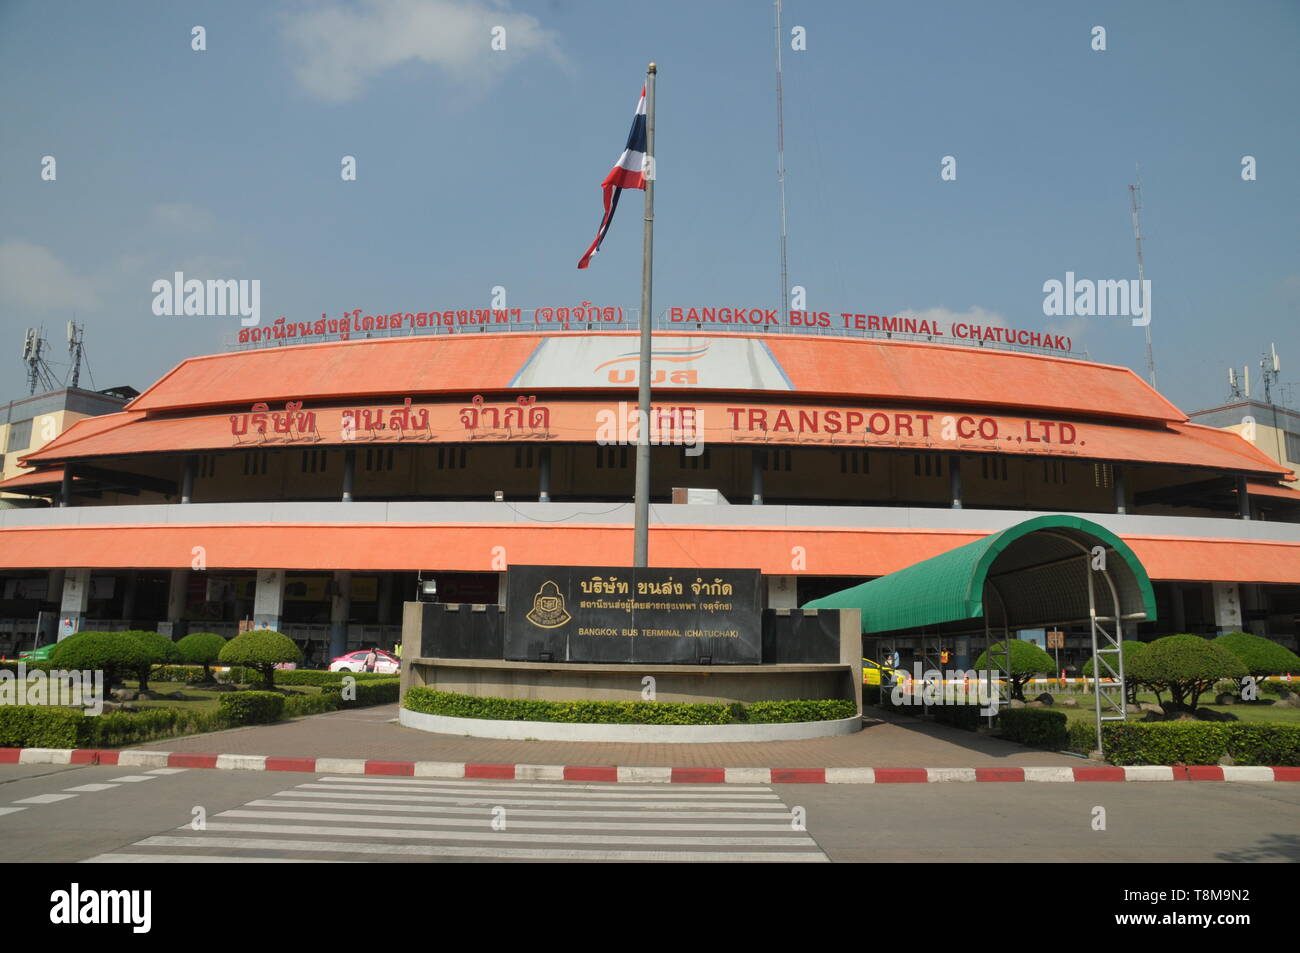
{"x": 558, "y": 772}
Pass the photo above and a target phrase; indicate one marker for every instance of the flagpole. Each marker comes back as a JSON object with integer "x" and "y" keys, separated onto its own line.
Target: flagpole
{"x": 641, "y": 534}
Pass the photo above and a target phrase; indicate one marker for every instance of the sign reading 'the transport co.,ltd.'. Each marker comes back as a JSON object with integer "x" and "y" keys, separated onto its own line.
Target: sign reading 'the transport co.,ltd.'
{"x": 598, "y": 614}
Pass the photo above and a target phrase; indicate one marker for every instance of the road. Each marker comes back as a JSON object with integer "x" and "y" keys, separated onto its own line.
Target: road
{"x": 64, "y": 813}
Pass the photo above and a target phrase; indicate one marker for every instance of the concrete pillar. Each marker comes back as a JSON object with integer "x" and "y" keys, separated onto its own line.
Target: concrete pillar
{"x": 501, "y": 589}
{"x": 65, "y": 487}
{"x": 48, "y": 622}
{"x": 187, "y": 479}
{"x": 385, "y": 598}
{"x": 756, "y": 476}
{"x": 1180, "y": 608}
{"x": 1243, "y": 498}
{"x": 544, "y": 476}
{"x": 1227, "y": 606}
{"x": 954, "y": 480}
{"x": 75, "y": 601}
{"x": 782, "y": 592}
{"x": 1121, "y": 494}
{"x": 349, "y": 472}
{"x": 177, "y": 593}
{"x": 340, "y": 609}
{"x": 128, "y": 595}
{"x": 268, "y": 600}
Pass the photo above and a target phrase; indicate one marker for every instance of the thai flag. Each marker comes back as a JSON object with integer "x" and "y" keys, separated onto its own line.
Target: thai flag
{"x": 628, "y": 173}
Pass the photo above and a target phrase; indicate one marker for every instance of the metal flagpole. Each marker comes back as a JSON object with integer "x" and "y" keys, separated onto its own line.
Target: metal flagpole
{"x": 641, "y": 534}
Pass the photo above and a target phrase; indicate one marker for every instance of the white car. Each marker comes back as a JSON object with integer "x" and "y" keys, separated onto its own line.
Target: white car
{"x": 356, "y": 662}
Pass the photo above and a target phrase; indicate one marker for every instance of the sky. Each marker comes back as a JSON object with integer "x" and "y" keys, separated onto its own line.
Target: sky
{"x": 478, "y": 168}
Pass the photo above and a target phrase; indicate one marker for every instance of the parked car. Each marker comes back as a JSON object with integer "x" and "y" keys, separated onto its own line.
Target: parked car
{"x": 41, "y": 654}
{"x": 385, "y": 662}
{"x": 871, "y": 672}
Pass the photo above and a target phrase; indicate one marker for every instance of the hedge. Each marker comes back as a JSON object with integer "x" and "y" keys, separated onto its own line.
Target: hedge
{"x": 119, "y": 728}
{"x": 40, "y": 726}
{"x": 432, "y": 702}
{"x": 1201, "y": 743}
{"x": 11, "y": 665}
{"x": 251, "y": 708}
{"x": 302, "y": 676}
{"x": 1036, "y": 727}
{"x": 1277, "y": 688}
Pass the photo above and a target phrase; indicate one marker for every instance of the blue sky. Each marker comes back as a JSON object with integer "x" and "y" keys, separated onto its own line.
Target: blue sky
{"x": 478, "y": 168}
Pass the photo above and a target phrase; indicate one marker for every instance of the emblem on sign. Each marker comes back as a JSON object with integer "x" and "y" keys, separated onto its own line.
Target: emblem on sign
{"x": 548, "y": 610}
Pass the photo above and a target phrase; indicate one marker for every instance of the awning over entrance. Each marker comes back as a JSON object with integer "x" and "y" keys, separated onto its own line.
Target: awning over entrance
{"x": 1038, "y": 572}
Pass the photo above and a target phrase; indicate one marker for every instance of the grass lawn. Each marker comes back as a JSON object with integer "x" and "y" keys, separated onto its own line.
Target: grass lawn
{"x": 198, "y": 698}
{"x": 1251, "y": 712}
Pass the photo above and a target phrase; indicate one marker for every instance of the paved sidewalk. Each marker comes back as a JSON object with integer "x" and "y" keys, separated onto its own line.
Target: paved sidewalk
{"x": 373, "y": 734}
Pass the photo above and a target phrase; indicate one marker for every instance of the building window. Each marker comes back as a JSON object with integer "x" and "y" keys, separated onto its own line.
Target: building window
{"x": 701, "y": 461}
{"x": 255, "y": 463}
{"x": 523, "y": 458}
{"x": 993, "y": 468}
{"x": 855, "y": 461}
{"x": 1103, "y": 475}
{"x": 20, "y": 435}
{"x": 611, "y": 458}
{"x": 379, "y": 458}
{"x": 1292, "y": 446}
{"x": 777, "y": 460}
{"x": 313, "y": 461}
{"x": 927, "y": 464}
{"x": 452, "y": 458}
{"x": 208, "y": 465}
{"x": 1053, "y": 471}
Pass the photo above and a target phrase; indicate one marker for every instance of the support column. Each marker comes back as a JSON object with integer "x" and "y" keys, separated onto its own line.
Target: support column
{"x": 385, "y": 606}
{"x": 75, "y": 601}
{"x": 782, "y": 592}
{"x": 349, "y": 472}
{"x": 1121, "y": 493}
{"x": 268, "y": 601}
{"x": 65, "y": 487}
{"x": 1227, "y": 606}
{"x": 177, "y": 591}
{"x": 1180, "y": 608}
{"x": 187, "y": 479}
{"x": 501, "y": 589}
{"x": 756, "y": 476}
{"x": 544, "y": 476}
{"x": 128, "y": 596}
{"x": 340, "y": 609}
{"x": 1243, "y": 498}
{"x": 48, "y": 630}
{"x": 954, "y": 480}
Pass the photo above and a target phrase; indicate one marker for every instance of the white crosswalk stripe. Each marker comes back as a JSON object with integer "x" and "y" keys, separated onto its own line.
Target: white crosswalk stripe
{"x": 359, "y": 818}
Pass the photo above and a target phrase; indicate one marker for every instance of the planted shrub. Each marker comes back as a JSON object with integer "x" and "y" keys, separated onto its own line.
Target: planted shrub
{"x": 114, "y": 653}
{"x": 1036, "y": 727}
{"x": 1130, "y": 650}
{"x": 1027, "y": 661}
{"x": 781, "y": 712}
{"x": 251, "y": 708}
{"x": 1260, "y": 656}
{"x": 41, "y": 726}
{"x": 157, "y": 649}
{"x": 201, "y": 648}
{"x": 1185, "y": 666}
{"x": 261, "y": 650}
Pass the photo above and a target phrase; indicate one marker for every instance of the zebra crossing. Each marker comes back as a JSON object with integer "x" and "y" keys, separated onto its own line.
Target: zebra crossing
{"x": 359, "y": 818}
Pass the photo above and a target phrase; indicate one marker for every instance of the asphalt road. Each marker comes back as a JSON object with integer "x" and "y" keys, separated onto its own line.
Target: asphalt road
{"x": 62, "y": 813}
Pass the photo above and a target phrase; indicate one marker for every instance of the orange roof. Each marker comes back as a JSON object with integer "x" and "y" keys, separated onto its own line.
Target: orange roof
{"x": 1262, "y": 489}
{"x": 842, "y": 367}
{"x": 575, "y": 421}
{"x": 389, "y": 546}
{"x": 49, "y": 477}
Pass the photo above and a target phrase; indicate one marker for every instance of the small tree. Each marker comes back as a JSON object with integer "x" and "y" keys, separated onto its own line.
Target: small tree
{"x": 261, "y": 650}
{"x": 114, "y": 653}
{"x": 157, "y": 649}
{"x": 1130, "y": 651}
{"x": 1185, "y": 666}
{"x": 1260, "y": 656}
{"x": 201, "y": 648}
{"x": 1027, "y": 660}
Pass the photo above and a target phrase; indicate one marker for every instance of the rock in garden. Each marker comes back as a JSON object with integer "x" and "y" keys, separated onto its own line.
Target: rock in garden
{"x": 1223, "y": 698}
{"x": 1045, "y": 698}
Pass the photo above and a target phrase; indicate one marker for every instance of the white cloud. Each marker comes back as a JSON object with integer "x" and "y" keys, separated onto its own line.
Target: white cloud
{"x": 338, "y": 47}
{"x": 945, "y": 317}
{"x": 32, "y": 277}
{"x": 182, "y": 217}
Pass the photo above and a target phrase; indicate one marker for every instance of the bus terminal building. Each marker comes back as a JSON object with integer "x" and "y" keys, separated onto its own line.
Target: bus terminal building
{"x": 310, "y": 487}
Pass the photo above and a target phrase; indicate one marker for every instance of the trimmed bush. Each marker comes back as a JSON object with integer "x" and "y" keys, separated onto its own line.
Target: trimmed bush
{"x": 1027, "y": 661}
{"x": 432, "y": 702}
{"x": 959, "y": 716}
{"x": 305, "y": 676}
{"x": 1277, "y": 688}
{"x": 296, "y": 706}
{"x": 201, "y": 648}
{"x": 251, "y": 708}
{"x": 41, "y": 726}
{"x": 1185, "y": 666}
{"x": 261, "y": 650}
{"x": 1081, "y": 736}
{"x": 114, "y": 653}
{"x": 187, "y": 674}
{"x": 158, "y": 648}
{"x": 1036, "y": 727}
{"x": 1260, "y": 656}
{"x": 1130, "y": 650}
{"x": 11, "y": 665}
{"x": 115, "y": 729}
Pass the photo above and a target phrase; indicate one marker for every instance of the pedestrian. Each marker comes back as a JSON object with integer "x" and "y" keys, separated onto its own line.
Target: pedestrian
{"x": 371, "y": 658}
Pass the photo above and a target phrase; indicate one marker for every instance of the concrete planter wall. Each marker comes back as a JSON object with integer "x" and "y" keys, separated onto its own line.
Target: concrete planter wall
{"x": 647, "y": 734}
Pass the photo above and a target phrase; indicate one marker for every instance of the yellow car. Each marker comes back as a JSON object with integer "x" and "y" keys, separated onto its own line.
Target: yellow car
{"x": 871, "y": 672}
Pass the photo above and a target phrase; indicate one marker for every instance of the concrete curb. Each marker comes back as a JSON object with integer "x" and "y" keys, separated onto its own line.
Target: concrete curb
{"x": 549, "y": 772}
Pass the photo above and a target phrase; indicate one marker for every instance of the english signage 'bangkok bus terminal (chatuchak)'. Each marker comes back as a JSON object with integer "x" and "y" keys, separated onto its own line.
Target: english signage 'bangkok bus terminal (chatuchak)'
{"x": 309, "y": 478}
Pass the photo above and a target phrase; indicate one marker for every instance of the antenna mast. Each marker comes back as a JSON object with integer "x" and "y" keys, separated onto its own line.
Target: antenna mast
{"x": 38, "y": 371}
{"x": 1135, "y": 200}
{"x": 780, "y": 163}
{"x": 75, "y": 348}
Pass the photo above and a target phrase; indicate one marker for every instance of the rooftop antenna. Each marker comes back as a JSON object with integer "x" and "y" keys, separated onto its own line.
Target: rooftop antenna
{"x": 1271, "y": 366}
{"x": 1135, "y": 200}
{"x": 780, "y": 163}
{"x": 75, "y": 348}
{"x": 38, "y": 371}
{"x": 1233, "y": 387}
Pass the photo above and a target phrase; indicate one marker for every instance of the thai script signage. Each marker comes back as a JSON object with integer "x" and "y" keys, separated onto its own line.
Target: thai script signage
{"x": 662, "y": 616}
